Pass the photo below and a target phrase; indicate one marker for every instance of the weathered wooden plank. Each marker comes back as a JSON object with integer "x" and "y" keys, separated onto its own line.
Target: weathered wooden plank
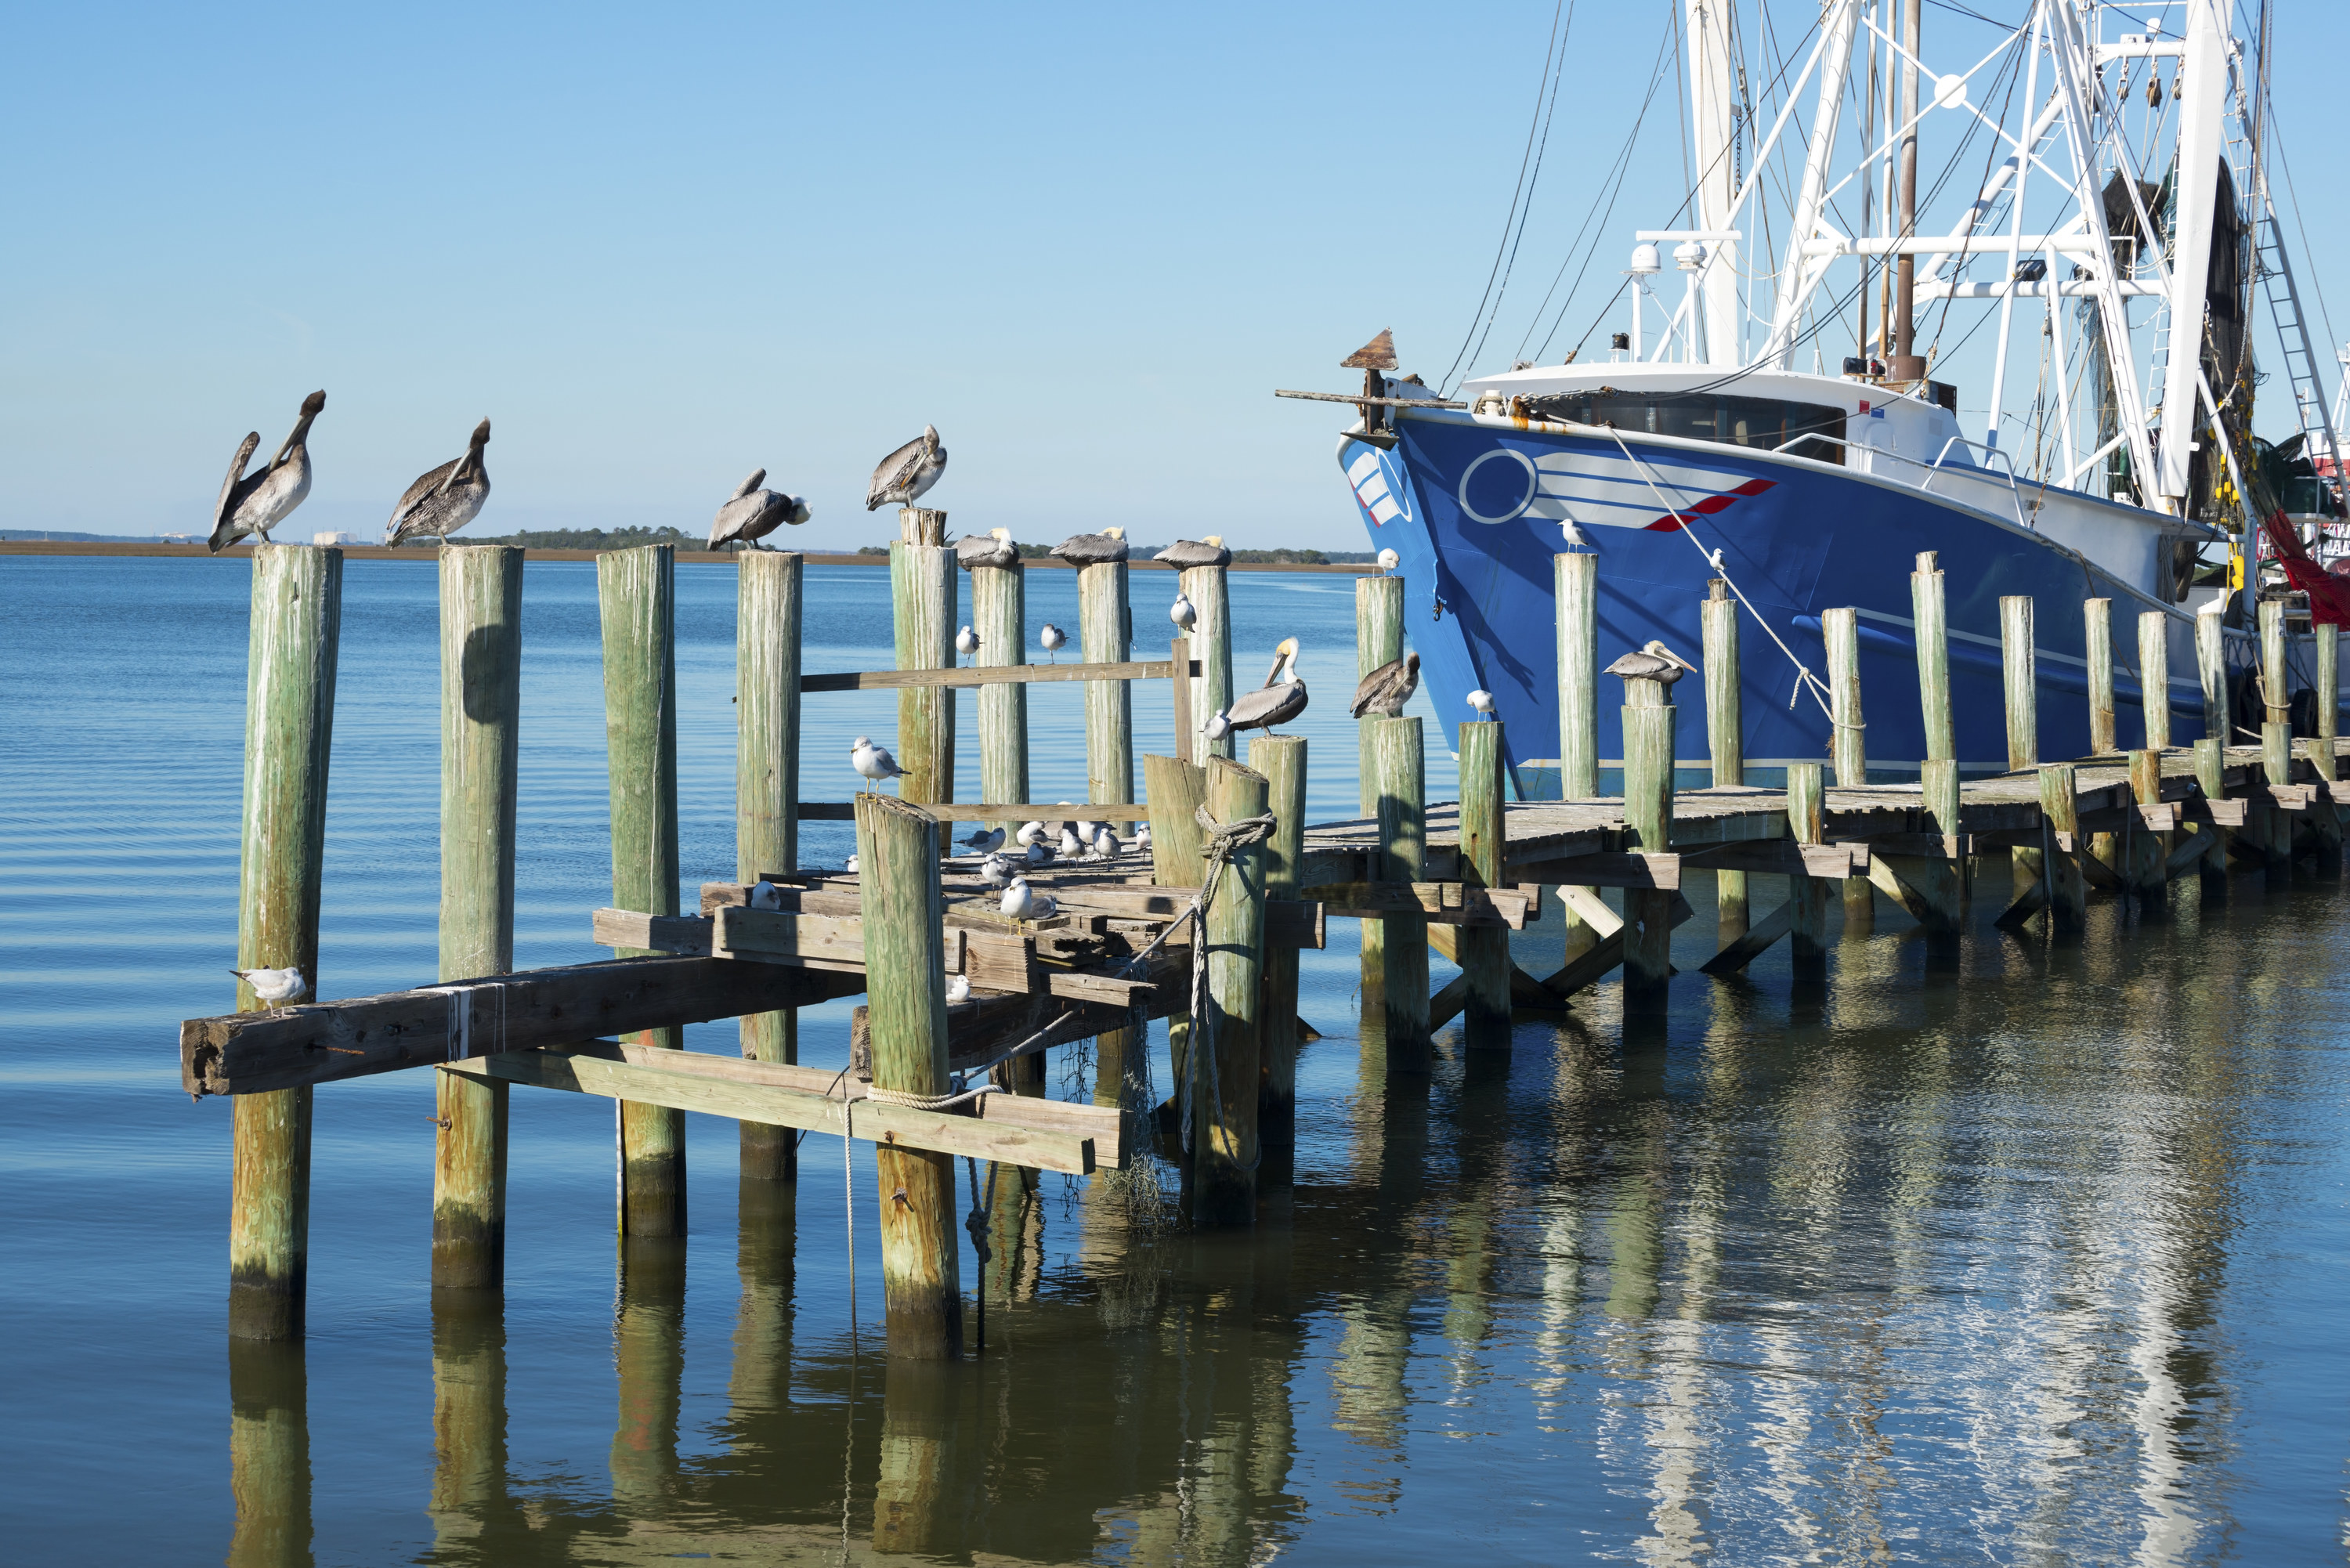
{"x": 244, "y": 1054}
{"x": 1780, "y": 856}
{"x": 900, "y": 1126}
{"x": 1447, "y": 903}
{"x": 1661, "y": 873}
{"x": 1005, "y": 675}
{"x": 1606, "y": 955}
{"x": 963, "y": 811}
{"x": 1590, "y": 909}
{"x": 1752, "y": 943}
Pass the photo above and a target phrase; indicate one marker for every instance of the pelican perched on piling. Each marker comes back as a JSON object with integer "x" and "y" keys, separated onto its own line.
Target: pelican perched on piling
{"x": 1207, "y": 552}
{"x": 1652, "y": 661}
{"x": 751, "y": 514}
{"x": 1385, "y": 691}
{"x": 1093, "y": 549}
{"x": 445, "y": 499}
{"x": 1388, "y": 562}
{"x": 257, "y": 502}
{"x": 1280, "y": 699}
{"x": 1182, "y": 612}
{"x": 992, "y": 549}
{"x": 874, "y": 762}
{"x": 907, "y": 474}
{"x": 1053, "y": 639}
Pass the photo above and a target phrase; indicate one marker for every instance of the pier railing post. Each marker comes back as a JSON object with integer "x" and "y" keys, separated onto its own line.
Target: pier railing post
{"x": 1848, "y": 740}
{"x": 2060, "y": 805}
{"x": 1211, "y": 645}
{"x": 635, "y": 590}
{"x": 1282, "y": 760}
{"x": 1483, "y": 952}
{"x": 481, "y": 708}
{"x": 1649, "y": 719}
{"x": 1575, "y": 583}
{"x": 289, "y": 721}
{"x": 2154, "y": 677}
{"x": 1807, "y": 897}
{"x": 2097, "y": 645}
{"x": 922, "y": 597}
{"x": 1224, "y": 1106}
{"x": 1724, "y": 734}
{"x": 1379, "y": 640}
{"x": 999, "y": 614}
{"x": 2211, "y": 666}
{"x": 766, "y": 797}
{"x": 904, "y": 928}
{"x": 1398, "y": 771}
{"x": 1106, "y": 633}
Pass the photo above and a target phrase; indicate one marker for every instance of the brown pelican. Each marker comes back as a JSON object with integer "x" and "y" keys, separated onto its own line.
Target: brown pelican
{"x": 751, "y": 514}
{"x": 1280, "y": 699}
{"x": 445, "y": 500}
{"x": 908, "y": 473}
{"x": 992, "y": 549}
{"x": 256, "y": 503}
{"x": 1386, "y": 689}
{"x": 1092, "y": 549}
{"x": 1210, "y": 552}
{"x": 1653, "y": 661}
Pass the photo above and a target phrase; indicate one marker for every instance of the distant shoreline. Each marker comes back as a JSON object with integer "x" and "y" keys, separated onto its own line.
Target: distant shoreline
{"x": 693, "y": 557}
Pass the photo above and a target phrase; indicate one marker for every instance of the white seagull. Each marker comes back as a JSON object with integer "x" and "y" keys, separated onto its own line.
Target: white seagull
{"x": 274, "y": 986}
{"x": 907, "y": 474}
{"x": 1182, "y": 613}
{"x": 967, "y": 642}
{"x": 1482, "y": 700}
{"x": 982, "y": 841}
{"x": 851, "y": 867}
{"x": 1040, "y": 855}
{"x": 1388, "y": 562}
{"x": 1574, "y": 539}
{"x": 1030, "y": 832}
{"x": 996, "y": 871}
{"x": 1071, "y": 846}
{"x": 1053, "y": 639}
{"x": 1219, "y": 724}
{"x": 1023, "y": 902}
{"x": 873, "y": 762}
{"x": 766, "y": 896}
{"x": 958, "y": 990}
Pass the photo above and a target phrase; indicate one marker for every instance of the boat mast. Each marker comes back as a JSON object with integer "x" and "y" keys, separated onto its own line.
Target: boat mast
{"x": 2201, "y": 109}
{"x": 1905, "y": 364}
{"x": 1713, "y": 126}
{"x": 1800, "y": 274}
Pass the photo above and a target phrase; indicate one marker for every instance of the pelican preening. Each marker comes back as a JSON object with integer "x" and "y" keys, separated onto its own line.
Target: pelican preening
{"x": 1053, "y": 639}
{"x": 872, "y": 761}
{"x": 1653, "y": 661}
{"x": 967, "y": 642}
{"x": 751, "y": 514}
{"x": 256, "y": 503}
{"x": 992, "y": 549}
{"x": 1482, "y": 702}
{"x": 1182, "y": 613}
{"x": 1280, "y": 699}
{"x": 446, "y": 499}
{"x": 274, "y": 986}
{"x": 1388, "y": 562}
{"x": 1208, "y": 552}
{"x": 1093, "y": 549}
{"x": 907, "y": 474}
{"x": 1385, "y": 691}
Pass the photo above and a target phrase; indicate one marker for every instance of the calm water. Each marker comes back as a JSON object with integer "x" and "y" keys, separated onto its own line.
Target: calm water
{"x": 2028, "y": 1253}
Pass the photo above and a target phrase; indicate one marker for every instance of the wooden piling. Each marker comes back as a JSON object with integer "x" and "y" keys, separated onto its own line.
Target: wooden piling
{"x": 1398, "y": 771}
{"x": 2211, "y": 666}
{"x": 1106, "y": 633}
{"x": 1649, "y": 717}
{"x": 1282, "y": 760}
{"x": 636, "y": 591}
{"x": 999, "y": 614}
{"x": 1379, "y": 640}
{"x": 1224, "y": 1105}
{"x": 904, "y": 932}
{"x": 1576, "y": 579}
{"x": 2276, "y": 768}
{"x": 2144, "y": 863}
{"x": 1936, "y": 877}
{"x": 2019, "y": 681}
{"x": 1483, "y": 952}
{"x": 2211, "y": 777}
{"x": 1928, "y": 606}
{"x": 922, "y": 598}
{"x": 2097, "y": 643}
{"x": 2154, "y": 677}
{"x": 1211, "y": 645}
{"x": 1848, "y": 736}
{"x": 2272, "y": 668}
{"x": 1724, "y": 734}
{"x": 1175, "y": 789}
{"x": 767, "y": 798}
{"x": 481, "y": 708}
{"x": 289, "y": 719}
{"x": 2060, "y": 805}
{"x": 1807, "y": 905}
{"x": 2328, "y": 642}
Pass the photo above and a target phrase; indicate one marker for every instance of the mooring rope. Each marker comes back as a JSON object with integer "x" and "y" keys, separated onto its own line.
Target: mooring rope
{"x": 1224, "y": 840}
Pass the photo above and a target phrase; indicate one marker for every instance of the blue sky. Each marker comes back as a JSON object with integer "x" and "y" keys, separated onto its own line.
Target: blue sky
{"x": 658, "y": 249}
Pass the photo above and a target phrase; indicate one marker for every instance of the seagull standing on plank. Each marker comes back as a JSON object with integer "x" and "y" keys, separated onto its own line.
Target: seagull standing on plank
{"x": 874, "y": 762}
{"x": 906, "y": 475}
{"x": 274, "y": 986}
{"x": 984, "y": 841}
{"x": 958, "y": 990}
{"x": 1022, "y": 902}
{"x": 996, "y": 871}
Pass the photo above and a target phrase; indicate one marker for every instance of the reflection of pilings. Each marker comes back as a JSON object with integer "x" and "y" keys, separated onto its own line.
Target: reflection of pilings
{"x": 917, "y": 1505}
{"x": 649, "y": 1351}
{"x": 762, "y": 1380}
{"x": 268, "y": 1453}
{"x": 468, "y": 1416}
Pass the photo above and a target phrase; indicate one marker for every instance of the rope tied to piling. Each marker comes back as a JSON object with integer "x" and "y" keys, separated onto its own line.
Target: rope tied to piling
{"x": 956, "y": 1094}
{"x": 1224, "y": 840}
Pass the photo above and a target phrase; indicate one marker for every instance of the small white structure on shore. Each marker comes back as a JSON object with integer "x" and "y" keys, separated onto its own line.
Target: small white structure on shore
{"x": 332, "y": 538}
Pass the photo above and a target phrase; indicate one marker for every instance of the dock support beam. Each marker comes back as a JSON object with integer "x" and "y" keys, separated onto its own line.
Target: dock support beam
{"x": 1225, "y": 1104}
{"x": 1282, "y": 760}
{"x": 2018, "y": 678}
{"x": 481, "y": 710}
{"x": 1483, "y": 952}
{"x": 1807, "y": 897}
{"x": 767, "y": 798}
{"x": 1211, "y": 645}
{"x": 2275, "y": 840}
{"x": 1724, "y": 734}
{"x": 289, "y": 721}
{"x": 904, "y": 928}
{"x": 999, "y": 614}
{"x": 1399, "y": 775}
{"x": 1379, "y": 640}
{"x": 2145, "y": 867}
{"x": 635, "y": 590}
{"x": 2068, "y": 886}
{"x": 1848, "y": 742}
{"x": 922, "y": 600}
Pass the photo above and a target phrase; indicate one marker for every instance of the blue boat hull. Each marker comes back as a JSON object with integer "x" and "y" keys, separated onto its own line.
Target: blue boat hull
{"x": 1474, "y": 511}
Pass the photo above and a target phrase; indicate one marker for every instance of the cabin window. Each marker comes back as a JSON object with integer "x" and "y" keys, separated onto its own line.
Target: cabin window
{"x": 1769, "y": 423}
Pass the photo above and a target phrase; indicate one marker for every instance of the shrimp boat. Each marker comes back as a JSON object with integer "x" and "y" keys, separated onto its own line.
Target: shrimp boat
{"x": 1789, "y": 426}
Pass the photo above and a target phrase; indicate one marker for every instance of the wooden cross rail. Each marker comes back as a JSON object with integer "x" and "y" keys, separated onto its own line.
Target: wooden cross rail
{"x": 322, "y": 1043}
{"x": 1045, "y": 1135}
{"x": 1084, "y": 811}
{"x": 993, "y": 675}
{"x": 1442, "y": 903}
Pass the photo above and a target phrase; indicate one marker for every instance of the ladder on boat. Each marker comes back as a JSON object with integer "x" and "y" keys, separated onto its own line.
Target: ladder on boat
{"x": 2309, "y": 403}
